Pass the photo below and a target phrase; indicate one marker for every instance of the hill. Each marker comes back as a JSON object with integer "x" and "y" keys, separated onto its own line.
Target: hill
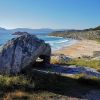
{"x": 90, "y": 34}
{"x": 4, "y": 31}
{"x": 32, "y": 31}
{"x": 41, "y": 31}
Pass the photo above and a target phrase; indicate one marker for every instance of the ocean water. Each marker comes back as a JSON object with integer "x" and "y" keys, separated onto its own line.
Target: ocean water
{"x": 5, "y": 37}
{"x": 55, "y": 42}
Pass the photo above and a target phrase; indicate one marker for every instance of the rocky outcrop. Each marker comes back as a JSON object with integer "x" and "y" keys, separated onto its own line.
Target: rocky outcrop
{"x": 60, "y": 58}
{"x": 20, "y": 33}
{"x": 22, "y": 51}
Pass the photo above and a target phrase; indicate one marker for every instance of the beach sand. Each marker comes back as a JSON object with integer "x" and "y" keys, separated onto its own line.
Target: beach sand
{"x": 79, "y": 49}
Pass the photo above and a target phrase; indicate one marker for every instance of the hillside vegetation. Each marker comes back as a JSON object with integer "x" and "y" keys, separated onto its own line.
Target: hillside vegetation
{"x": 90, "y": 34}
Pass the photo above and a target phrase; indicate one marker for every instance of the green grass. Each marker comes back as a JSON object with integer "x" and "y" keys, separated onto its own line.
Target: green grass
{"x": 98, "y": 40}
{"x": 88, "y": 63}
{"x": 79, "y": 62}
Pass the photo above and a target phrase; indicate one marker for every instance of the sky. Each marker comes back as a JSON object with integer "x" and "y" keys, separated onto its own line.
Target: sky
{"x": 56, "y": 14}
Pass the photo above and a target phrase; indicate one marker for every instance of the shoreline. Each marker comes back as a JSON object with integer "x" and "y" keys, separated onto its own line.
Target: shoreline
{"x": 63, "y": 44}
{"x": 79, "y": 49}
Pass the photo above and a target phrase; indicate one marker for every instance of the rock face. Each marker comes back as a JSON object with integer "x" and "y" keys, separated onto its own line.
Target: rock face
{"x": 20, "y": 33}
{"x": 22, "y": 51}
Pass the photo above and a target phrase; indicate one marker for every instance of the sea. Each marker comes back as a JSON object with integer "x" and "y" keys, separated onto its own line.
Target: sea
{"x": 56, "y": 43}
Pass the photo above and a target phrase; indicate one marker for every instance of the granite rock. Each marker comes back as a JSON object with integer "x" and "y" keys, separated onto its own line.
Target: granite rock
{"x": 22, "y": 51}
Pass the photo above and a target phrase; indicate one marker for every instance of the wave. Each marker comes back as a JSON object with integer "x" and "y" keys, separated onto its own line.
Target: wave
{"x": 59, "y": 41}
{"x": 55, "y": 42}
{"x": 48, "y": 36}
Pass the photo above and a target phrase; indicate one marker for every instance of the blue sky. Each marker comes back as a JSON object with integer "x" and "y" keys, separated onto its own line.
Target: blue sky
{"x": 56, "y": 14}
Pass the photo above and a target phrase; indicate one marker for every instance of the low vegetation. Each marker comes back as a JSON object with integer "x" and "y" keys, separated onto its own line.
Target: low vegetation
{"x": 11, "y": 82}
{"x": 87, "y": 63}
{"x": 79, "y": 62}
{"x": 98, "y": 40}
{"x": 90, "y": 34}
{"x": 34, "y": 85}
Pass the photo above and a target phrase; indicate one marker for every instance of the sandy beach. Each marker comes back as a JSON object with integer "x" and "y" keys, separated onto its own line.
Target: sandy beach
{"x": 79, "y": 49}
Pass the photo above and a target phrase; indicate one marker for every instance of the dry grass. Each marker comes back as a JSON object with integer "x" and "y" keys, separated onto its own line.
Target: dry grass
{"x": 54, "y": 87}
{"x": 17, "y": 95}
{"x": 40, "y": 95}
{"x": 54, "y": 60}
{"x": 47, "y": 86}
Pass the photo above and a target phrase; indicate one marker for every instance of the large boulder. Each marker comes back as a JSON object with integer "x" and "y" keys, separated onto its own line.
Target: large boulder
{"x": 22, "y": 51}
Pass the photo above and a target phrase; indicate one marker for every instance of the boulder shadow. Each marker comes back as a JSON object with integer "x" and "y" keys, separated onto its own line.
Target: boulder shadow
{"x": 61, "y": 85}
